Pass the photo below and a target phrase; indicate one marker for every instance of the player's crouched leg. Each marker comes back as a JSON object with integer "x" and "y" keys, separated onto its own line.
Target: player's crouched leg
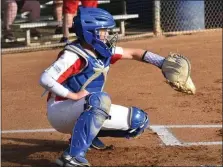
{"x": 88, "y": 125}
{"x": 138, "y": 122}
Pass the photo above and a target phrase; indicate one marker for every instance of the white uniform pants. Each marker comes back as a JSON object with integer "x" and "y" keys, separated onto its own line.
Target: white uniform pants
{"x": 63, "y": 115}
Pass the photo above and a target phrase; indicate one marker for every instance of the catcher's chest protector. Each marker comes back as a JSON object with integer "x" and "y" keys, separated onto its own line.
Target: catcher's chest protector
{"x": 92, "y": 78}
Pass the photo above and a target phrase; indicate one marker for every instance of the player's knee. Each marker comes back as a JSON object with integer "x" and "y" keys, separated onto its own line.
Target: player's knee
{"x": 139, "y": 121}
{"x": 100, "y": 101}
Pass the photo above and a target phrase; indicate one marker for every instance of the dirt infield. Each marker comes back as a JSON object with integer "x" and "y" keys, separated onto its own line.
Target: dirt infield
{"x": 130, "y": 83}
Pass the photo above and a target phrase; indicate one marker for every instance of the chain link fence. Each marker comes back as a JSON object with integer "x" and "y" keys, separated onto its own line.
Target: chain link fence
{"x": 154, "y": 18}
{"x": 213, "y": 14}
{"x": 180, "y": 16}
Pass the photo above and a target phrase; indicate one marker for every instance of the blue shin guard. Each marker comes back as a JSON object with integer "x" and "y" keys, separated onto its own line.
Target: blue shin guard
{"x": 88, "y": 125}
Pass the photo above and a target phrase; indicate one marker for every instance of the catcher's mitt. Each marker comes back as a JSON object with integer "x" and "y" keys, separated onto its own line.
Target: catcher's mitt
{"x": 176, "y": 69}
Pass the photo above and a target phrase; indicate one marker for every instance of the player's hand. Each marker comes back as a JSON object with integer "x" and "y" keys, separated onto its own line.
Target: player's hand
{"x": 82, "y": 94}
{"x": 77, "y": 96}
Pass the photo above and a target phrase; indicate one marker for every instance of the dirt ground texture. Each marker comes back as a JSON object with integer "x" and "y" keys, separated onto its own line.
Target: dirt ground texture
{"x": 130, "y": 83}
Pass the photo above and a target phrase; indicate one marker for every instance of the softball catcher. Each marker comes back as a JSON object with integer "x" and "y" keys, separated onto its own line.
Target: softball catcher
{"x": 76, "y": 102}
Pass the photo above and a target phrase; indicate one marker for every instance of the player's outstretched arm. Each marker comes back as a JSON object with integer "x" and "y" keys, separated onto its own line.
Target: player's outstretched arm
{"x": 143, "y": 55}
{"x": 175, "y": 67}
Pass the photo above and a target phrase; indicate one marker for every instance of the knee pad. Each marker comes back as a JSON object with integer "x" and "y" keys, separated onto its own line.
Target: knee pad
{"x": 98, "y": 102}
{"x": 138, "y": 121}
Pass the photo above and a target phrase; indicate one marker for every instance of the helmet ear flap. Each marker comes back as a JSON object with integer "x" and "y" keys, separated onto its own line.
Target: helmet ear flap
{"x": 86, "y": 24}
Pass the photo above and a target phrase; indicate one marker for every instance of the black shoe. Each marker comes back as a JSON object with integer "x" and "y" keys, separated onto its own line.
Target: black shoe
{"x": 71, "y": 30}
{"x": 64, "y": 40}
{"x": 98, "y": 144}
{"x": 58, "y": 30}
{"x": 35, "y": 33}
{"x": 9, "y": 35}
{"x": 66, "y": 160}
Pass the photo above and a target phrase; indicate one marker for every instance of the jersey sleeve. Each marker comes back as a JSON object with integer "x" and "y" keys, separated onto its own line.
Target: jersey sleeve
{"x": 67, "y": 64}
{"x": 117, "y": 54}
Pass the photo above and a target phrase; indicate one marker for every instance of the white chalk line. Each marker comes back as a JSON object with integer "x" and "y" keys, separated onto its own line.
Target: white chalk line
{"x": 188, "y": 126}
{"x": 162, "y": 131}
{"x": 166, "y": 136}
{"x": 201, "y": 143}
{"x": 170, "y": 140}
{"x": 151, "y": 126}
{"x": 28, "y": 131}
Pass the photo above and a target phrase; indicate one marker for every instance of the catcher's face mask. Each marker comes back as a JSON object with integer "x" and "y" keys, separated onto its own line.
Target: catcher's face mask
{"x": 107, "y": 37}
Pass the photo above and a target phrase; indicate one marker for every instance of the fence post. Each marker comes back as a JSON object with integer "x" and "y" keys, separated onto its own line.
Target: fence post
{"x": 122, "y": 23}
{"x": 124, "y": 11}
{"x": 157, "y": 22}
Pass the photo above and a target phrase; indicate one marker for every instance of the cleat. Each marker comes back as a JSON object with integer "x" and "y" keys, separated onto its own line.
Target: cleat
{"x": 66, "y": 160}
{"x": 98, "y": 144}
{"x": 9, "y": 35}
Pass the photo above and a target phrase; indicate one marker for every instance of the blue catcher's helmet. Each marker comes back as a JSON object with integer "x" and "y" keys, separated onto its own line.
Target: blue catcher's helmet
{"x": 86, "y": 25}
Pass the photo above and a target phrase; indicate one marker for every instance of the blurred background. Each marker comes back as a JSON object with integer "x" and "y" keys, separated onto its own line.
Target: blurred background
{"x": 37, "y": 24}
